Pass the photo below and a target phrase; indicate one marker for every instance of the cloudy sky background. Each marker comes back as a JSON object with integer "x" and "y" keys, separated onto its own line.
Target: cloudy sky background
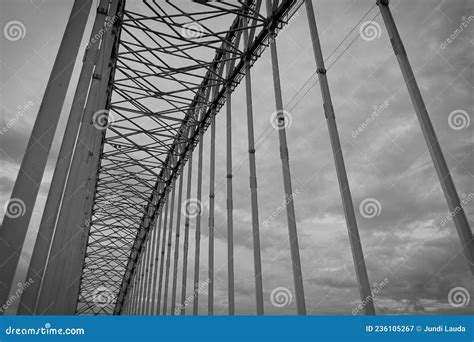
{"x": 388, "y": 160}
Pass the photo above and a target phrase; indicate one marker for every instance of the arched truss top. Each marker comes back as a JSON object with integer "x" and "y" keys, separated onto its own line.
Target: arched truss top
{"x": 174, "y": 66}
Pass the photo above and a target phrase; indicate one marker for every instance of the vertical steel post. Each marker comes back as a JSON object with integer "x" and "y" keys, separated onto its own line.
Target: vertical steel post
{"x": 27, "y": 184}
{"x": 156, "y": 242}
{"x": 143, "y": 277}
{"x": 162, "y": 255}
{"x": 143, "y": 265}
{"x": 212, "y": 177}
{"x": 230, "y": 219}
{"x": 257, "y": 259}
{"x": 135, "y": 295}
{"x": 46, "y": 230}
{"x": 176, "y": 245}
{"x": 197, "y": 245}
{"x": 139, "y": 285}
{"x": 151, "y": 247}
{"x": 131, "y": 295}
{"x": 285, "y": 163}
{"x": 186, "y": 238}
{"x": 357, "y": 254}
{"x": 149, "y": 280}
{"x": 442, "y": 170}
{"x": 146, "y": 259}
{"x": 130, "y": 298}
{"x": 168, "y": 250}
{"x": 134, "y": 303}
{"x": 126, "y": 304}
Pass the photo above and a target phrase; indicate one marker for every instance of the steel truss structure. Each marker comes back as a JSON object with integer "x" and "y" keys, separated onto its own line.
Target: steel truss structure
{"x": 155, "y": 75}
{"x": 160, "y": 105}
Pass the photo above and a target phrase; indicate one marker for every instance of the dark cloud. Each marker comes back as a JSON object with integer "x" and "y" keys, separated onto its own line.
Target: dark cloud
{"x": 13, "y": 144}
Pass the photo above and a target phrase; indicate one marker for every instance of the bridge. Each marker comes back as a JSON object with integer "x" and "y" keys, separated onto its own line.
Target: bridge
{"x": 127, "y": 197}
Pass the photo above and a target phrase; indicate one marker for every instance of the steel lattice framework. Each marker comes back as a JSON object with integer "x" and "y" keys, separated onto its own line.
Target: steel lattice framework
{"x": 166, "y": 67}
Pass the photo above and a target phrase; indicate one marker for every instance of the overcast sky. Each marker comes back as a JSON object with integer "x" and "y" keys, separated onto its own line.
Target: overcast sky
{"x": 407, "y": 244}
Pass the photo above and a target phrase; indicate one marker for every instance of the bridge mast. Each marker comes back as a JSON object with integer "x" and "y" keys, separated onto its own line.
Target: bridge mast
{"x": 27, "y": 184}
